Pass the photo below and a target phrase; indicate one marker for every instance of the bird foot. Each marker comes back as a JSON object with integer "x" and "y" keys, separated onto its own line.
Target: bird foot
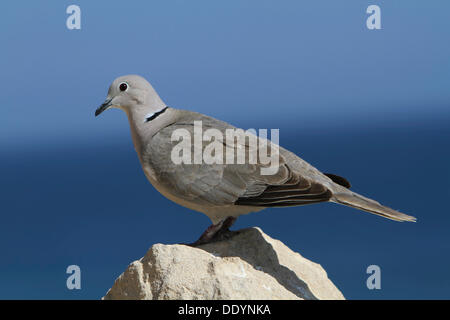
{"x": 216, "y": 232}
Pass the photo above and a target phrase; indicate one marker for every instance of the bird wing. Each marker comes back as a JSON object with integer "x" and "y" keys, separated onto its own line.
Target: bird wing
{"x": 225, "y": 184}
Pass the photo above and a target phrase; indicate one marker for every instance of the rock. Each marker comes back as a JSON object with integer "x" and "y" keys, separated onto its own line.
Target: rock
{"x": 249, "y": 265}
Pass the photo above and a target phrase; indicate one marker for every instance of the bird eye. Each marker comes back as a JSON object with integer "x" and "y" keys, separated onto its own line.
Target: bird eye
{"x": 123, "y": 86}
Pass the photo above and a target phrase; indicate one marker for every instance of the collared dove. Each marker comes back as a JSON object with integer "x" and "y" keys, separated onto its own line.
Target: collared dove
{"x": 222, "y": 191}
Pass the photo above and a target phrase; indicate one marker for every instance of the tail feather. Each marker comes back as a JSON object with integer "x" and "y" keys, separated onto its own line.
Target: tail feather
{"x": 359, "y": 202}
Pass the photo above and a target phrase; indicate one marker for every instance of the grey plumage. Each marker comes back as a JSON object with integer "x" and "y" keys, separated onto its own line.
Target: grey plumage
{"x": 296, "y": 183}
{"x": 223, "y": 190}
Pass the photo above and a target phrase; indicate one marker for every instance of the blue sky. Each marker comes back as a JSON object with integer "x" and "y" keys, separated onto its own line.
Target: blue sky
{"x": 370, "y": 105}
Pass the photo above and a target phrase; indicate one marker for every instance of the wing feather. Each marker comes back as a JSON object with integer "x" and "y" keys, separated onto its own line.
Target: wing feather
{"x": 227, "y": 184}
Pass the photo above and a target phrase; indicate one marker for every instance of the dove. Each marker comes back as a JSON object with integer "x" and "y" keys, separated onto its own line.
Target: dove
{"x": 222, "y": 190}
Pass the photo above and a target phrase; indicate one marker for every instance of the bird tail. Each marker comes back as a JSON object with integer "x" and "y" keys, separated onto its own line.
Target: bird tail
{"x": 359, "y": 202}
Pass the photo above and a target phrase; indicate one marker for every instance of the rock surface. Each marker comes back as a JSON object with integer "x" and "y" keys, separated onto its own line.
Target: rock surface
{"x": 249, "y": 265}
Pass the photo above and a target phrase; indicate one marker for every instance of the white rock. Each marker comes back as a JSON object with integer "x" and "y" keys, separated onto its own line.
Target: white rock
{"x": 250, "y": 265}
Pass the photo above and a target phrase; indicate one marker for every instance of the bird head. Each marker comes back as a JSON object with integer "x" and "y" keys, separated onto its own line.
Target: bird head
{"x": 130, "y": 92}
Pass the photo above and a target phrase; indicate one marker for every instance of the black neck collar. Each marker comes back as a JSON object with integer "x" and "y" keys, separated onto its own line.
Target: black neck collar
{"x": 155, "y": 115}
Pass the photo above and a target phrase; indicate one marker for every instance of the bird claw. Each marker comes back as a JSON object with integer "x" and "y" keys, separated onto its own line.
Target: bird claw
{"x": 216, "y": 232}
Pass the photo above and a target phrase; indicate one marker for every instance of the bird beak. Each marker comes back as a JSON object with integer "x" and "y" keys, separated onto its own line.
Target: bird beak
{"x": 105, "y": 105}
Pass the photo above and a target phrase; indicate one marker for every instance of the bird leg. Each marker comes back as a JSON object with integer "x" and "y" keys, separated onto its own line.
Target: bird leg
{"x": 216, "y": 232}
